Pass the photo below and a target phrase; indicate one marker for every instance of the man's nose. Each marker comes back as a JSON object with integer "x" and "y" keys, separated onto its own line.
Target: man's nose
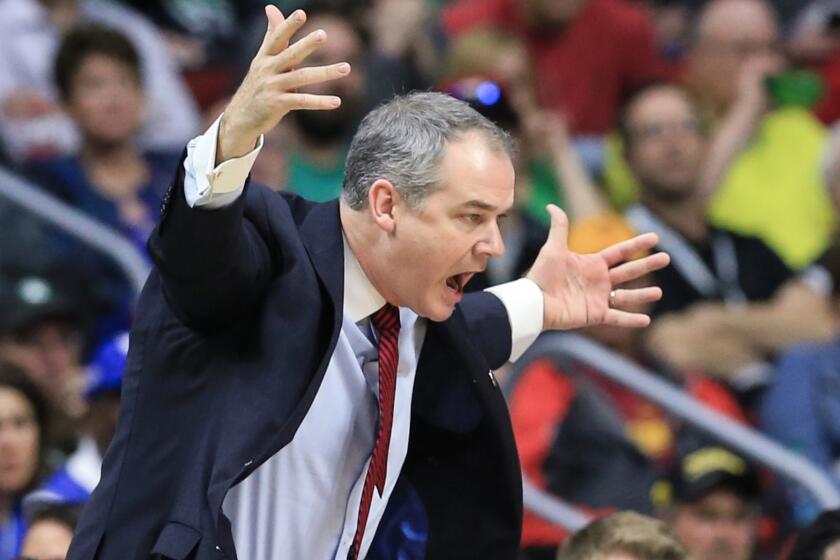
{"x": 493, "y": 245}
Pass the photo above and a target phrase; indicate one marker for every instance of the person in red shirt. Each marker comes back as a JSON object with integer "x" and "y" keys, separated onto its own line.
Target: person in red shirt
{"x": 587, "y": 54}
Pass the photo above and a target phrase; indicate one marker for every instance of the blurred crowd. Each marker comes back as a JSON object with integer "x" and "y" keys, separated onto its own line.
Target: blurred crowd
{"x": 710, "y": 122}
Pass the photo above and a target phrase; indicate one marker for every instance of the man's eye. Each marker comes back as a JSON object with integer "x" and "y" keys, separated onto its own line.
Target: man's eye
{"x": 473, "y": 218}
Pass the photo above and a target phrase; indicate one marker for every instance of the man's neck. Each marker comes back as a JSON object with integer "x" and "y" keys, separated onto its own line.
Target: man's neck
{"x": 362, "y": 241}
{"x": 686, "y": 216}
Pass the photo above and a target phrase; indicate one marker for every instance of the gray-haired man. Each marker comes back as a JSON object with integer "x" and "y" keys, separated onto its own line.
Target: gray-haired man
{"x": 303, "y": 382}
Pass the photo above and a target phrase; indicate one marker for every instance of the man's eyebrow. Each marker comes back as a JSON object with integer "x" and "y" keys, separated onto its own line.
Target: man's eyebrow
{"x": 479, "y": 204}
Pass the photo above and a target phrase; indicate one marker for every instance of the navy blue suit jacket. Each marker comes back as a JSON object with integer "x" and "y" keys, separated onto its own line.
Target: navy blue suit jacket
{"x": 233, "y": 333}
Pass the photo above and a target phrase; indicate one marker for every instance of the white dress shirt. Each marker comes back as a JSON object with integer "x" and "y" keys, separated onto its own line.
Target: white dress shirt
{"x": 304, "y": 501}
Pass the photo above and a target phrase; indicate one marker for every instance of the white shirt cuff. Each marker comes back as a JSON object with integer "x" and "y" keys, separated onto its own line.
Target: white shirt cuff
{"x": 214, "y": 186}
{"x": 523, "y": 300}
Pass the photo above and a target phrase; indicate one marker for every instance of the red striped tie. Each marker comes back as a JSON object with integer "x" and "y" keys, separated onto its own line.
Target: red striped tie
{"x": 387, "y": 324}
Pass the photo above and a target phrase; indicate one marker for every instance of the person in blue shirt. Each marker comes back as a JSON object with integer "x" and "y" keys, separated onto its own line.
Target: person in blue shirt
{"x": 801, "y": 407}
{"x": 72, "y": 484}
{"x": 98, "y": 74}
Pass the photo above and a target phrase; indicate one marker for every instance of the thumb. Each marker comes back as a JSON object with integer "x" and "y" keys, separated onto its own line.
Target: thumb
{"x": 559, "y": 232}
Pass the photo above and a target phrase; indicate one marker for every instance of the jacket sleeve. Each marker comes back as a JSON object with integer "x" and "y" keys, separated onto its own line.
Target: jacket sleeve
{"x": 505, "y": 324}
{"x": 214, "y": 263}
{"x": 488, "y": 326}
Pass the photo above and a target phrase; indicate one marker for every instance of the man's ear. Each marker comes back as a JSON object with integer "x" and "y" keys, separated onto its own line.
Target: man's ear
{"x": 382, "y": 201}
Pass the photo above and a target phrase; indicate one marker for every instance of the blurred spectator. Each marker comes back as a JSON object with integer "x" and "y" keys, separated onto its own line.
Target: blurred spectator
{"x": 740, "y": 342}
{"x": 316, "y": 165}
{"x": 736, "y": 73}
{"x": 711, "y": 502}
{"x": 736, "y": 49}
{"x": 32, "y": 122}
{"x": 587, "y": 54}
{"x": 801, "y": 407}
{"x": 97, "y": 71}
{"x": 42, "y": 331}
{"x": 49, "y": 534}
{"x": 623, "y": 536}
{"x": 406, "y": 46}
{"x": 98, "y": 75}
{"x": 820, "y": 540}
{"x": 666, "y": 146}
{"x": 73, "y": 483}
{"x": 23, "y": 435}
{"x": 590, "y": 440}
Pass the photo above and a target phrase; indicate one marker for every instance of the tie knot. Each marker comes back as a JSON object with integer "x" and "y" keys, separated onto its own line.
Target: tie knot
{"x": 387, "y": 318}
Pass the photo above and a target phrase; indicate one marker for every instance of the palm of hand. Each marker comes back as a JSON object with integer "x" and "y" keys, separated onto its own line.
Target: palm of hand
{"x": 576, "y": 289}
{"x": 581, "y": 290}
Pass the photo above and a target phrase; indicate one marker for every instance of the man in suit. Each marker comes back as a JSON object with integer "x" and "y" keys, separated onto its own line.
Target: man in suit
{"x": 309, "y": 380}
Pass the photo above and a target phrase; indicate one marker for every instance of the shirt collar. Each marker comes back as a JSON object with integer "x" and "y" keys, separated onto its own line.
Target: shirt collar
{"x": 360, "y": 297}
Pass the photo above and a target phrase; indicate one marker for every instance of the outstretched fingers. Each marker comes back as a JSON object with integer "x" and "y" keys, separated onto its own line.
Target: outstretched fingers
{"x": 632, "y": 270}
{"x": 626, "y": 319}
{"x": 312, "y": 75}
{"x": 618, "y": 317}
{"x": 280, "y": 31}
{"x": 625, "y": 250}
{"x": 308, "y": 101}
{"x": 638, "y": 296}
{"x": 299, "y": 50}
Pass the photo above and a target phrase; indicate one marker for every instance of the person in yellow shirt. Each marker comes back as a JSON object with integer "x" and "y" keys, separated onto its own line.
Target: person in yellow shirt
{"x": 773, "y": 189}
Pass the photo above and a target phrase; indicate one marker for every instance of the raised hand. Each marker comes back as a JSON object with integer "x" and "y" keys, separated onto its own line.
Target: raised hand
{"x": 582, "y": 290}
{"x": 268, "y": 91}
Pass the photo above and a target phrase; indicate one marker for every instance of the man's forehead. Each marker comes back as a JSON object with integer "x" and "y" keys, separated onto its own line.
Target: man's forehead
{"x": 474, "y": 152}
{"x": 484, "y": 205}
{"x": 489, "y": 193}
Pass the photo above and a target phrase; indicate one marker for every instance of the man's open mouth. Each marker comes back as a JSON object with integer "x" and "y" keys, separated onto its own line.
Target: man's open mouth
{"x": 457, "y": 282}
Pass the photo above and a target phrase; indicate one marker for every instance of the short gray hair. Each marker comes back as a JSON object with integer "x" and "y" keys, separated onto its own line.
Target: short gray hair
{"x": 402, "y": 141}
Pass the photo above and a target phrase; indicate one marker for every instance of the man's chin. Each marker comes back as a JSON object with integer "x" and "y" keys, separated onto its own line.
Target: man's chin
{"x": 438, "y": 313}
